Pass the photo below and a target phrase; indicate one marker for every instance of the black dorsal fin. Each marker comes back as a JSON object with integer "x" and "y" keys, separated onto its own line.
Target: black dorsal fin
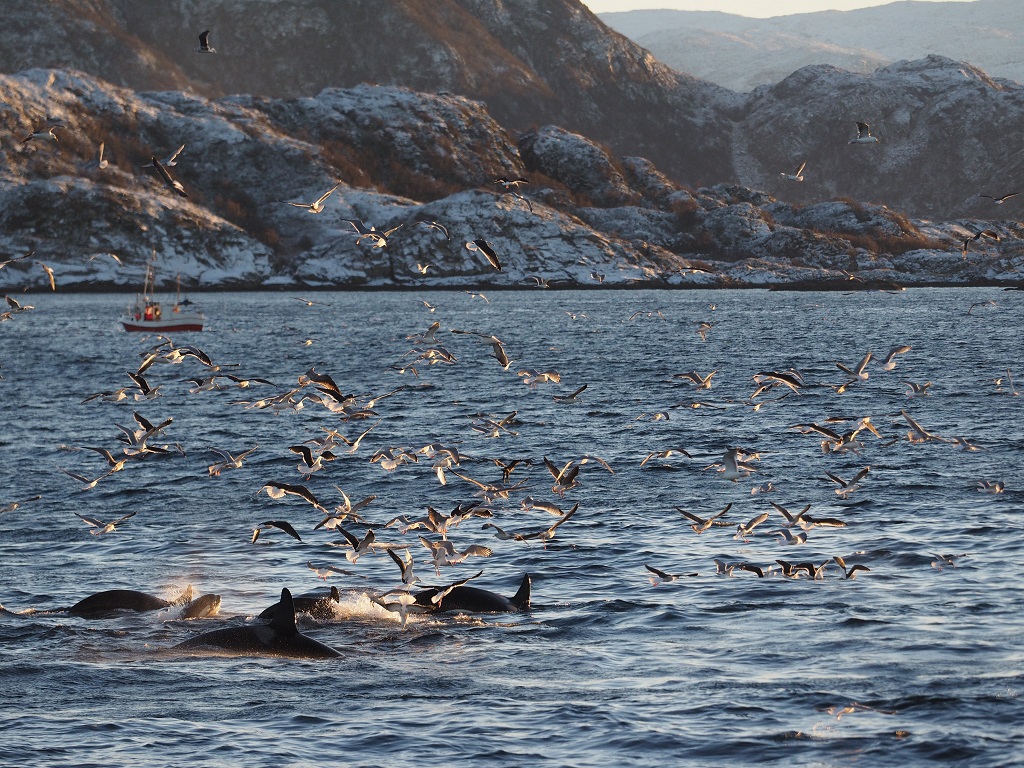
{"x": 284, "y": 616}
{"x": 521, "y": 599}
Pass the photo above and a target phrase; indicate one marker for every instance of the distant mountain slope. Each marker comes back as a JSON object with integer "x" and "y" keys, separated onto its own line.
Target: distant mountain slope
{"x": 741, "y": 53}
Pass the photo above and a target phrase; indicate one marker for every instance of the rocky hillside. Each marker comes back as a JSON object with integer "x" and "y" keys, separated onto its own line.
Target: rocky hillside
{"x": 400, "y": 161}
{"x": 741, "y": 53}
{"x": 946, "y": 129}
{"x": 944, "y": 133}
{"x": 531, "y": 63}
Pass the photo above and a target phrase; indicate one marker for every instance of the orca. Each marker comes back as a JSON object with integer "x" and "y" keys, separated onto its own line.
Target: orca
{"x": 278, "y": 638}
{"x": 201, "y": 607}
{"x": 319, "y": 606}
{"x": 476, "y": 600}
{"x": 104, "y": 604}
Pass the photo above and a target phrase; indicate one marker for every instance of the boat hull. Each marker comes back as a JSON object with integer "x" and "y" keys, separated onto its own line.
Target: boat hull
{"x": 179, "y": 322}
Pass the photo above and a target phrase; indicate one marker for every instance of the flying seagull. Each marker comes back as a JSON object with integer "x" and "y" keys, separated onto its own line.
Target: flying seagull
{"x": 987, "y": 233}
{"x": 863, "y": 135}
{"x": 42, "y": 134}
{"x": 100, "y": 162}
{"x": 798, "y": 176}
{"x": 485, "y": 248}
{"x": 171, "y": 160}
{"x": 99, "y": 527}
{"x": 317, "y": 205}
{"x": 1000, "y": 200}
{"x": 204, "y": 43}
{"x": 173, "y": 184}
{"x": 283, "y": 525}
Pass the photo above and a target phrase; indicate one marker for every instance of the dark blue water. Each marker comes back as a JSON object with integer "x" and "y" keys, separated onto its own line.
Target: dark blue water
{"x": 910, "y": 663}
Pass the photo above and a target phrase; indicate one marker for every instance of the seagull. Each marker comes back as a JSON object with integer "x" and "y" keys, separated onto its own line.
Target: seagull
{"x": 735, "y": 465}
{"x": 317, "y": 205}
{"x": 702, "y": 382}
{"x": 5, "y": 262}
{"x": 13, "y": 505}
{"x": 283, "y": 525}
{"x": 851, "y": 572}
{"x": 310, "y": 463}
{"x": 98, "y": 526}
{"x": 571, "y": 397}
{"x": 1009, "y": 380}
{"x": 791, "y": 538}
{"x": 791, "y": 519}
{"x": 889, "y": 362}
{"x": 228, "y": 461}
{"x": 917, "y": 390}
{"x": 702, "y": 330}
{"x": 752, "y": 568}
{"x": 49, "y": 274}
{"x": 204, "y": 43}
{"x": 989, "y": 303}
{"x": 100, "y": 162}
{"x": 359, "y": 546}
{"x": 116, "y": 465}
{"x": 964, "y": 443}
{"x": 80, "y": 478}
{"x": 1000, "y": 200}
{"x": 986, "y": 233}
{"x": 798, "y": 176}
{"x": 510, "y": 183}
{"x": 859, "y": 372}
{"x": 42, "y": 134}
{"x": 172, "y": 184}
{"x": 943, "y": 560}
{"x": 723, "y": 568}
{"x": 171, "y": 160}
{"x": 991, "y": 486}
{"x": 918, "y": 434}
{"x": 405, "y": 565}
{"x": 701, "y": 524}
{"x": 846, "y": 487}
{"x": 326, "y": 571}
{"x": 444, "y": 553}
{"x": 439, "y": 227}
{"x": 863, "y": 135}
{"x": 517, "y": 196}
{"x": 377, "y": 237}
{"x": 549, "y": 533}
{"x": 743, "y": 530}
{"x": 660, "y": 577}
{"x": 279, "y": 490}
{"x": 485, "y": 248}
{"x": 668, "y": 452}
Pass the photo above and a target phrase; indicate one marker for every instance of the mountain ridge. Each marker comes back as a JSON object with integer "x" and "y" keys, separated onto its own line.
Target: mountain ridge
{"x": 742, "y": 53}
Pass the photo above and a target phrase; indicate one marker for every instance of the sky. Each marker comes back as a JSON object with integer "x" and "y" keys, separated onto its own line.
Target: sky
{"x": 758, "y": 8}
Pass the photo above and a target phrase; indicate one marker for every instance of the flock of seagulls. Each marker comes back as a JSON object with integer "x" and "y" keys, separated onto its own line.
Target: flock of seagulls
{"x": 788, "y": 526}
{"x": 360, "y": 539}
{"x": 864, "y": 136}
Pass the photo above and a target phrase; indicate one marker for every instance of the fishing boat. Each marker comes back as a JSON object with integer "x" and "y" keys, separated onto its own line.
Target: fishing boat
{"x": 146, "y": 313}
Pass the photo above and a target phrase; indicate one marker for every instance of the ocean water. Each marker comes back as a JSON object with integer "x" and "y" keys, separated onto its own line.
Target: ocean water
{"x": 914, "y": 662}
